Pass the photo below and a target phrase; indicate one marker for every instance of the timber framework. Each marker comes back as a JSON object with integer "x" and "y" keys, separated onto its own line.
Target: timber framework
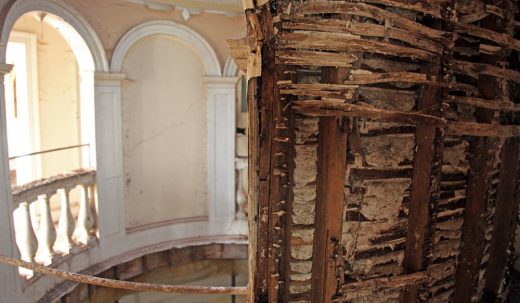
{"x": 384, "y": 148}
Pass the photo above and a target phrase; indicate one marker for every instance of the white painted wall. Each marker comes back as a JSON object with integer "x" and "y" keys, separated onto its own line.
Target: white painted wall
{"x": 165, "y": 134}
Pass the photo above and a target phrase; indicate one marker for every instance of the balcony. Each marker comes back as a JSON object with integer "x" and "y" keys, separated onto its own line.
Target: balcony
{"x": 43, "y": 232}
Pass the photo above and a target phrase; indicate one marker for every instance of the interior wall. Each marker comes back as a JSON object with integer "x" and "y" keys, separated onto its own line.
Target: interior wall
{"x": 58, "y": 90}
{"x": 164, "y": 132}
{"x": 120, "y": 16}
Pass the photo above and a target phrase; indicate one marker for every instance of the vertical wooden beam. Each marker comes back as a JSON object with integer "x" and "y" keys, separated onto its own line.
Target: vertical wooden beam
{"x": 274, "y": 174}
{"x": 503, "y": 228}
{"x": 482, "y": 151}
{"x": 507, "y": 199}
{"x": 274, "y": 184}
{"x": 253, "y": 187}
{"x": 424, "y": 195}
{"x": 427, "y": 174}
{"x": 473, "y": 230}
{"x": 266, "y": 100}
{"x": 290, "y": 163}
{"x": 330, "y": 200}
{"x": 280, "y": 197}
{"x": 481, "y": 162}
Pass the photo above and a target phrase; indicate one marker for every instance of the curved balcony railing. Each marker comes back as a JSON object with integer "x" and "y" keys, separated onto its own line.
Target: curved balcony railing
{"x": 40, "y": 238}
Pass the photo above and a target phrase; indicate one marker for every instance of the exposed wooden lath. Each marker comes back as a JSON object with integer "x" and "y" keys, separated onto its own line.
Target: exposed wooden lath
{"x": 386, "y": 147}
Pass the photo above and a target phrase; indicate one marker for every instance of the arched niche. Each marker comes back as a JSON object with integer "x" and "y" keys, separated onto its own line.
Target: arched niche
{"x": 220, "y": 94}
{"x": 169, "y": 28}
{"x": 164, "y": 109}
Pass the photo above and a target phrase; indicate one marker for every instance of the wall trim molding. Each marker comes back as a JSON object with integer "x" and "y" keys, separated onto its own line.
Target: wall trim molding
{"x": 147, "y": 226}
{"x": 230, "y": 68}
{"x": 169, "y": 28}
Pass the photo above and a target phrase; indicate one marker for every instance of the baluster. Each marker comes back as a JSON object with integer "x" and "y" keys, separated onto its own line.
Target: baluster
{"x": 46, "y": 231}
{"x": 25, "y": 237}
{"x": 66, "y": 223}
{"x": 83, "y": 233}
{"x": 93, "y": 209}
{"x": 241, "y": 196}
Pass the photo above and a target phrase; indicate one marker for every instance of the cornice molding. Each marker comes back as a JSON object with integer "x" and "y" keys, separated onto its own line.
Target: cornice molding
{"x": 226, "y": 7}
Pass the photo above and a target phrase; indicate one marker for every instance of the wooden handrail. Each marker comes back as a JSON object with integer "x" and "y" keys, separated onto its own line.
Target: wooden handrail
{"x": 135, "y": 286}
{"x": 48, "y": 151}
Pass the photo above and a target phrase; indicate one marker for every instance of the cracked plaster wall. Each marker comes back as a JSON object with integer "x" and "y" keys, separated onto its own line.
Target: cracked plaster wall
{"x": 164, "y": 132}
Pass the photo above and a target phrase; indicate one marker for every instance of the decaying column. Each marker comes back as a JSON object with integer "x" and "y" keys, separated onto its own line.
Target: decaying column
{"x": 384, "y": 149}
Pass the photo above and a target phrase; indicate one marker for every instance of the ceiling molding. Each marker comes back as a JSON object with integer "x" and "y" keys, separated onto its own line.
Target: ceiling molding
{"x": 226, "y": 7}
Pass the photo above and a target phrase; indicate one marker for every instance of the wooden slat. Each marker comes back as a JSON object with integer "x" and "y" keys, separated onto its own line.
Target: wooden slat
{"x": 330, "y": 200}
{"x": 434, "y": 8}
{"x": 340, "y": 91}
{"x": 387, "y": 282}
{"x": 360, "y": 29}
{"x": 371, "y": 11}
{"x": 311, "y": 40}
{"x": 456, "y": 128}
{"x": 483, "y": 33}
{"x": 314, "y": 58}
{"x": 337, "y": 107}
{"x": 506, "y": 203}
{"x": 406, "y": 77}
{"x": 476, "y": 69}
{"x": 501, "y": 105}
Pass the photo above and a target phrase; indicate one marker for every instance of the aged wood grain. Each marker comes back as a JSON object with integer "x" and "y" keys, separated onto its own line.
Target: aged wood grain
{"x": 330, "y": 199}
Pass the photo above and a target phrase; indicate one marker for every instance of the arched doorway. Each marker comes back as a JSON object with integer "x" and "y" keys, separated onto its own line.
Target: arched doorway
{"x": 49, "y": 124}
{"x": 49, "y": 98}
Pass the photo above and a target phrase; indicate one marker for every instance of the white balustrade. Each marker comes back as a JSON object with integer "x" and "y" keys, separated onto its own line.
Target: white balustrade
{"x": 83, "y": 233}
{"x": 241, "y": 188}
{"x": 25, "y": 237}
{"x": 66, "y": 223}
{"x": 47, "y": 241}
{"x": 46, "y": 232}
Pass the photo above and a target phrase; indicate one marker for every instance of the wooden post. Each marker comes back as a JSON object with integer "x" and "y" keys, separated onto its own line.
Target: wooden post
{"x": 330, "y": 200}
{"x": 505, "y": 214}
{"x": 425, "y": 192}
{"x": 427, "y": 174}
{"x": 253, "y": 190}
{"x": 483, "y": 150}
